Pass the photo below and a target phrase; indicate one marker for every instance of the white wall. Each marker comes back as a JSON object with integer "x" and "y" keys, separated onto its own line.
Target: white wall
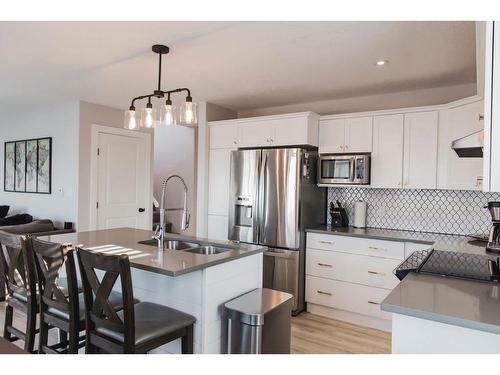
{"x": 59, "y": 121}
{"x": 414, "y": 98}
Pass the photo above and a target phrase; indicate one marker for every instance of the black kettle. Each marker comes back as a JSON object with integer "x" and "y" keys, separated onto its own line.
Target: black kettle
{"x": 338, "y": 215}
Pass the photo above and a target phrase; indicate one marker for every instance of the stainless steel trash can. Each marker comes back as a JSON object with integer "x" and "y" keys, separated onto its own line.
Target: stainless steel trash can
{"x": 259, "y": 322}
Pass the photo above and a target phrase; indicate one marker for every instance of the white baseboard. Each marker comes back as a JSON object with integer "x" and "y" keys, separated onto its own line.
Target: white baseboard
{"x": 350, "y": 317}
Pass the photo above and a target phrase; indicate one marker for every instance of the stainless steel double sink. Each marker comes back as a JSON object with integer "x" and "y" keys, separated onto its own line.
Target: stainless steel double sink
{"x": 189, "y": 247}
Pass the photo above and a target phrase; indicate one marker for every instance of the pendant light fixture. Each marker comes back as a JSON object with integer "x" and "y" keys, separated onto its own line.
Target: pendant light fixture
{"x": 167, "y": 115}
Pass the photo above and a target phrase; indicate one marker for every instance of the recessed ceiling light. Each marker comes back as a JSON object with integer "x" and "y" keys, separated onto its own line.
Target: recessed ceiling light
{"x": 381, "y": 62}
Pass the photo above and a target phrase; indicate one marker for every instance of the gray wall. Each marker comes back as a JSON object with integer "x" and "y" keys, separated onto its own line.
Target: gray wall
{"x": 59, "y": 121}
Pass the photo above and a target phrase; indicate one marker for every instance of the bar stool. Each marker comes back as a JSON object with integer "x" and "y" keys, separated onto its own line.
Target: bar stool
{"x": 137, "y": 328}
{"x": 61, "y": 303}
{"x": 20, "y": 279}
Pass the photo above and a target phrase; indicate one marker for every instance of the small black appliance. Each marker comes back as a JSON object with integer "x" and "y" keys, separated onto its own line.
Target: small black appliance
{"x": 494, "y": 238}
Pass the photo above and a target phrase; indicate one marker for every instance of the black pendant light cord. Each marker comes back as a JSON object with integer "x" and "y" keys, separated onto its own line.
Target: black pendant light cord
{"x": 160, "y": 50}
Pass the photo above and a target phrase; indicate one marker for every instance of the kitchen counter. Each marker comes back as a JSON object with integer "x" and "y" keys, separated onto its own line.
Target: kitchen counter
{"x": 468, "y": 304}
{"x": 446, "y": 242}
{"x": 195, "y": 284}
{"x": 148, "y": 258}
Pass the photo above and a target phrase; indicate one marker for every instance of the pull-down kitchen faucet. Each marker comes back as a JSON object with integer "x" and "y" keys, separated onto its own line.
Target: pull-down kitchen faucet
{"x": 160, "y": 229}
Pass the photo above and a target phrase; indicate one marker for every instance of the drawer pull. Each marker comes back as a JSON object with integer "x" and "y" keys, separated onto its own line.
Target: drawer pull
{"x": 376, "y": 273}
{"x": 373, "y": 303}
{"x": 327, "y": 242}
{"x": 377, "y": 248}
{"x": 324, "y": 265}
{"x": 325, "y": 293}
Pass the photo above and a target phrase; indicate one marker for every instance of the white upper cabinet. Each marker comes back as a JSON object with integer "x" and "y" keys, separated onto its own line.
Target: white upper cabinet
{"x": 350, "y": 135}
{"x": 387, "y": 155}
{"x": 255, "y": 134}
{"x": 331, "y": 136}
{"x": 224, "y": 135}
{"x": 420, "y": 150}
{"x": 358, "y": 134}
{"x": 454, "y": 172}
{"x": 268, "y": 131}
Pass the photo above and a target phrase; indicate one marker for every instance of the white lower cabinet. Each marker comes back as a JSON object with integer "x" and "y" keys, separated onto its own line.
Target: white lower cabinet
{"x": 348, "y": 277}
{"x": 346, "y": 296}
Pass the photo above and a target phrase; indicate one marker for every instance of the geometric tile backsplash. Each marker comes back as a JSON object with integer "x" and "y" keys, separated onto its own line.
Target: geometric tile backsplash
{"x": 438, "y": 211}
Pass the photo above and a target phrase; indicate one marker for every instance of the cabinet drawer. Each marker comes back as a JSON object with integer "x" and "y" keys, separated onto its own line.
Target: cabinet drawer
{"x": 361, "y": 269}
{"x": 346, "y": 296}
{"x": 354, "y": 245}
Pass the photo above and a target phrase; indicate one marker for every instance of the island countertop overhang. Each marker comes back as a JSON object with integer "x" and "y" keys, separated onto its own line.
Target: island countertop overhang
{"x": 150, "y": 258}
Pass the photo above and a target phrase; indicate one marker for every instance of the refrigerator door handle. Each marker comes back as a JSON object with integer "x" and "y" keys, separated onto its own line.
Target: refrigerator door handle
{"x": 262, "y": 196}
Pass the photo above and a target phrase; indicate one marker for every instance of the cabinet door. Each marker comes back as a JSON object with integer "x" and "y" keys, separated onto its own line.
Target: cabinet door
{"x": 454, "y": 172}
{"x": 293, "y": 132}
{"x": 331, "y": 136}
{"x": 218, "y": 181}
{"x": 255, "y": 133}
{"x": 358, "y": 134}
{"x": 387, "y": 155}
{"x": 217, "y": 227}
{"x": 420, "y": 150}
{"x": 224, "y": 135}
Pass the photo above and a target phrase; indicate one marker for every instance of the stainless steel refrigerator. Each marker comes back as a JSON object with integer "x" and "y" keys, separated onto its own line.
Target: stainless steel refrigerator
{"x": 273, "y": 199}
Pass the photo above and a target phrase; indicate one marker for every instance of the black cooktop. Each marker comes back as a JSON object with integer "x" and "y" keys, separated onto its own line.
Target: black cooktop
{"x": 451, "y": 264}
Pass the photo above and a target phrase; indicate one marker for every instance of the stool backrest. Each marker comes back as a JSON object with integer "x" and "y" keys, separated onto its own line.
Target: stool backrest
{"x": 99, "y": 311}
{"x": 49, "y": 260}
{"x": 18, "y": 265}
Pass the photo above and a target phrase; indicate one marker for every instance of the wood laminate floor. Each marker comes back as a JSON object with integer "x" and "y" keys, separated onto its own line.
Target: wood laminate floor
{"x": 311, "y": 334}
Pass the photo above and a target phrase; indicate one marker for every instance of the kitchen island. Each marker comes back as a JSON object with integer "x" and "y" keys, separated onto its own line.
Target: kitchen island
{"x": 184, "y": 279}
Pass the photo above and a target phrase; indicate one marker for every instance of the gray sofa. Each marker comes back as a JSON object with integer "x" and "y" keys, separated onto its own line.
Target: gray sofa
{"x": 43, "y": 227}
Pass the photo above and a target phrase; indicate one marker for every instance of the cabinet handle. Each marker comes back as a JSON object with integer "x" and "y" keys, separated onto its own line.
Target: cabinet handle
{"x": 325, "y": 293}
{"x": 377, "y": 248}
{"x": 346, "y": 147}
{"x": 324, "y": 265}
{"x": 234, "y": 142}
{"x": 341, "y": 147}
{"x": 481, "y": 117}
{"x": 272, "y": 140}
{"x": 373, "y": 303}
{"x": 327, "y": 242}
{"x": 376, "y": 273}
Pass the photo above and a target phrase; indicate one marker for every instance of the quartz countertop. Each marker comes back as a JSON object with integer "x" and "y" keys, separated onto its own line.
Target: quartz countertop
{"x": 149, "y": 258}
{"x": 446, "y": 242}
{"x": 464, "y": 303}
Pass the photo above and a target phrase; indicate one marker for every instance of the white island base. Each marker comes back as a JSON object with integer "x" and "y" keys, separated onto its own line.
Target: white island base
{"x": 411, "y": 335}
{"x": 202, "y": 294}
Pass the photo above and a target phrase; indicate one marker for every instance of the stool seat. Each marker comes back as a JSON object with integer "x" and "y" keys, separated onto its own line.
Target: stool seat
{"x": 152, "y": 321}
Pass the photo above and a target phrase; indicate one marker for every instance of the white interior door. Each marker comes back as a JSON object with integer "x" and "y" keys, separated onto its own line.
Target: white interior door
{"x": 123, "y": 183}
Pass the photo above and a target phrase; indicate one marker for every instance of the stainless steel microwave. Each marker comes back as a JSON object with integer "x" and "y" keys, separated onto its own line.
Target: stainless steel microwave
{"x": 344, "y": 169}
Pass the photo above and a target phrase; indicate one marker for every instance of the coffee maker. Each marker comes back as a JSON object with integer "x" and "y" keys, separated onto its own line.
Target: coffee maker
{"x": 494, "y": 238}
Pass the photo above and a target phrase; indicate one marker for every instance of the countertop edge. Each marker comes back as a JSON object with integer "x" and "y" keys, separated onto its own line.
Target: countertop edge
{"x": 440, "y": 318}
{"x": 371, "y": 236}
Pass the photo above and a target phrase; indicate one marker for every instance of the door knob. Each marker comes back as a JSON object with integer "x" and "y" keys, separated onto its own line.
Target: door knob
{"x": 142, "y": 209}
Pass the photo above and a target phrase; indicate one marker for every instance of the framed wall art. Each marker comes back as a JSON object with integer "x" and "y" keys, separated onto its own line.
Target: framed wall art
{"x": 28, "y": 166}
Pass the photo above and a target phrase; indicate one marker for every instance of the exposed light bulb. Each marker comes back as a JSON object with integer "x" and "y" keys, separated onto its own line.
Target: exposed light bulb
{"x": 148, "y": 117}
{"x": 130, "y": 120}
{"x": 189, "y": 115}
{"x": 167, "y": 114}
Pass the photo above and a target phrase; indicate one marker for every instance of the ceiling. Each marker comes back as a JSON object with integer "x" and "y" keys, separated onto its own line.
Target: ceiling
{"x": 239, "y": 65}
